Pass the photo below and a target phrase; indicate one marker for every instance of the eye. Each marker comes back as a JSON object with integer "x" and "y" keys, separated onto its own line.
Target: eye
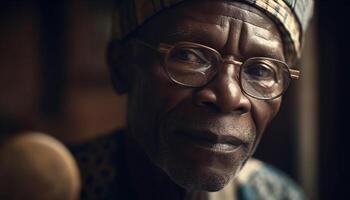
{"x": 187, "y": 55}
{"x": 260, "y": 71}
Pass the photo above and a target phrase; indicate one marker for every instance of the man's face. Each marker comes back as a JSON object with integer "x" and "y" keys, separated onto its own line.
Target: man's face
{"x": 201, "y": 137}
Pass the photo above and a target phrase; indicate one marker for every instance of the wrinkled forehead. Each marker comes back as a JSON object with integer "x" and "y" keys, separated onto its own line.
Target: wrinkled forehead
{"x": 225, "y": 9}
{"x": 184, "y": 21}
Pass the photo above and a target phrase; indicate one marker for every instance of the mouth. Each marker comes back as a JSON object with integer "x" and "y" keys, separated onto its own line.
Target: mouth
{"x": 208, "y": 141}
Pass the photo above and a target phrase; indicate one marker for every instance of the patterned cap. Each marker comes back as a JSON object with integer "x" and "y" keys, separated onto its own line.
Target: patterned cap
{"x": 291, "y": 16}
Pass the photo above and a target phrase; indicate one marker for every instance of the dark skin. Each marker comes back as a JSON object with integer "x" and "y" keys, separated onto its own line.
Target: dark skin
{"x": 168, "y": 122}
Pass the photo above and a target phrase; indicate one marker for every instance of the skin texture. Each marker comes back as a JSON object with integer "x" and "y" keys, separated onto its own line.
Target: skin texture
{"x": 163, "y": 116}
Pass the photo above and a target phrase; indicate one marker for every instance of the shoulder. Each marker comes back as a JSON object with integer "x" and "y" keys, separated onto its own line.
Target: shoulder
{"x": 258, "y": 180}
{"x": 100, "y": 163}
{"x": 98, "y": 146}
{"x": 100, "y": 152}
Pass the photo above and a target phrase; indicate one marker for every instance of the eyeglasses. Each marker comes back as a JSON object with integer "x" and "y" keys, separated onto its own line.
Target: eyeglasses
{"x": 195, "y": 65}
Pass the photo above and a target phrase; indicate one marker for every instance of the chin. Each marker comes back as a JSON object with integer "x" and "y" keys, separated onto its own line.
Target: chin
{"x": 204, "y": 179}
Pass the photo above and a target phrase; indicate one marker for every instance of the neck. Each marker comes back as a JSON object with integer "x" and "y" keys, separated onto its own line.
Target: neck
{"x": 151, "y": 182}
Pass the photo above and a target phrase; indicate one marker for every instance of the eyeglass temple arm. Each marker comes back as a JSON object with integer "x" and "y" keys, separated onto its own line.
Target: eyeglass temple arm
{"x": 164, "y": 48}
{"x": 294, "y": 73}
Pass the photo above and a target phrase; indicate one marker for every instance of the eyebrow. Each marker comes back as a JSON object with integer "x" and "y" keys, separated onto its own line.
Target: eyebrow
{"x": 192, "y": 35}
{"x": 179, "y": 33}
{"x": 187, "y": 32}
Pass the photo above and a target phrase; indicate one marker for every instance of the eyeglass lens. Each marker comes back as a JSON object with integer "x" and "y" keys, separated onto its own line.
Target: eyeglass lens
{"x": 195, "y": 66}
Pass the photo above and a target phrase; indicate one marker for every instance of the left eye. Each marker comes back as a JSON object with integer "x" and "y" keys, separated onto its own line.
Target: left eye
{"x": 190, "y": 56}
{"x": 259, "y": 71}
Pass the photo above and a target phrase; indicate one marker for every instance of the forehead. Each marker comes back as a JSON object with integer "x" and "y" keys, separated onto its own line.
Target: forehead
{"x": 216, "y": 23}
{"x": 218, "y": 12}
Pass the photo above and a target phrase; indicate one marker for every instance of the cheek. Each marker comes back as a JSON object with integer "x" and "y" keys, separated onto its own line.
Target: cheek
{"x": 149, "y": 85}
{"x": 152, "y": 96}
{"x": 167, "y": 94}
{"x": 263, "y": 112}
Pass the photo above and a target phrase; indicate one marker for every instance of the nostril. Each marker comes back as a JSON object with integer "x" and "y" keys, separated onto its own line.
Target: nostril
{"x": 210, "y": 105}
{"x": 241, "y": 110}
{"x": 221, "y": 100}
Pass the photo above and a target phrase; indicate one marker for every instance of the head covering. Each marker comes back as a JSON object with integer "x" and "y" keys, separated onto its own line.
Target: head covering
{"x": 291, "y": 16}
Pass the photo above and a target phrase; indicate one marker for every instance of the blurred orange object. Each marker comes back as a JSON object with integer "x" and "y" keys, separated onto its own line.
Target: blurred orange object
{"x": 35, "y": 166}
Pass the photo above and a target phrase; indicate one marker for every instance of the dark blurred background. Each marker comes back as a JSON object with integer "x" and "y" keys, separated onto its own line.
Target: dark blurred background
{"x": 54, "y": 78}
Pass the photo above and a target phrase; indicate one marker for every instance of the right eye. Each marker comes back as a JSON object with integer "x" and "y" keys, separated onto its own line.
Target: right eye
{"x": 191, "y": 56}
{"x": 259, "y": 71}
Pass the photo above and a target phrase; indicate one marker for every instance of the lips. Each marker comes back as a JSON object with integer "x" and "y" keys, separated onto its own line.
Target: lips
{"x": 208, "y": 140}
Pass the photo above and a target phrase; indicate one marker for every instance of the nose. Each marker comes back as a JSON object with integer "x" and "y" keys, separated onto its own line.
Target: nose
{"x": 224, "y": 93}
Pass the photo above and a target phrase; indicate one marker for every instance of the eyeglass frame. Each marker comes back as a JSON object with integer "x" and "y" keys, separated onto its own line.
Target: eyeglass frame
{"x": 163, "y": 48}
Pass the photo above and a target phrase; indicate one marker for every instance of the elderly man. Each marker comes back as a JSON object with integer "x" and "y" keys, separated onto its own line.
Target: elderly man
{"x": 204, "y": 79}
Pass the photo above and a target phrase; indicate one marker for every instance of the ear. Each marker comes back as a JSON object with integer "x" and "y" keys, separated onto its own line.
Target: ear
{"x": 118, "y": 65}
